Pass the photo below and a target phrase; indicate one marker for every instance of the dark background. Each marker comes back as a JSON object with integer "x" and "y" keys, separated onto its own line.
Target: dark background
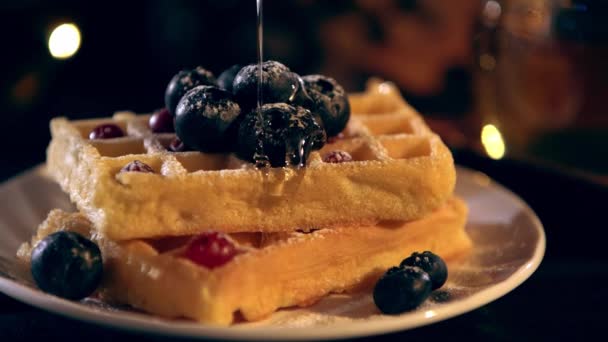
{"x": 130, "y": 50}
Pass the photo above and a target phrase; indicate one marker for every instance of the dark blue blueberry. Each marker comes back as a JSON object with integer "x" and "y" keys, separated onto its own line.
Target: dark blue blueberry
{"x": 279, "y": 84}
{"x": 329, "y": 101}
{"x": 288, "y": 134}
{"x": 431, "y": 264}
{"x": 401, "y": 290}
{"x": 67, "y": 265}
{"x": 392, "y": 270}
{"x": 204, "y": 119}
{"x": 182, "y": 82}
{"x": 225, "y": 79}
{"x": 300, "y": 96}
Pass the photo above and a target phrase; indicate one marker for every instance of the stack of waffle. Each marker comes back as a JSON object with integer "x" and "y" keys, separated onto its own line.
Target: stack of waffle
{"x": 303, "y": 232}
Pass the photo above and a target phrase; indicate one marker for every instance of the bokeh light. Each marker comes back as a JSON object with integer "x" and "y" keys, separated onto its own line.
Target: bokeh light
{"x": 491, "y": 13}
{"x": 487, "y": 62}
{"x": 492, "y": 141}
{"x": 64, "y": 41}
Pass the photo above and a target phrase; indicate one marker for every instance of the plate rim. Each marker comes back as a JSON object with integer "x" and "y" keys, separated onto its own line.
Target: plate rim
{"x": 142, "y": 323}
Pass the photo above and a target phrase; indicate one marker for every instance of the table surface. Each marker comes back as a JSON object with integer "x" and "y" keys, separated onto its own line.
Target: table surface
{"x": 565, "y": 299}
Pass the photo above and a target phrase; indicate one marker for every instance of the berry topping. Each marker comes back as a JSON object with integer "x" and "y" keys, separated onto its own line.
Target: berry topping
{"x": 337, "y": 157}
{"x": 137, "y": 166}
{"x": 402, "y": 289}
{"x": 225, "y": 79}
{"x": 177, "y": 145}
{"x": 279, "y": 84}
{"x": 431, "y": 264}
{"x": 301, "y": 98}
{"x": 211, "y": 250}
{"x": 300, "y": 95}
{"x": 330, "y": 102}
{"x": 161, "y": 122}
{"x": 67, "y": 265}
{"x": 288, "y": 134}
{"x": 184, "y": 81}
{"x": 204, "y": 117}
{"x": 106, "y": 131}
{"x": 392, "y": 270}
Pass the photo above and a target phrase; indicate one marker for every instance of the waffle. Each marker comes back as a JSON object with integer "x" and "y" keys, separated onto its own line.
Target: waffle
{"x": 401, "y": 171}
{"x": 276, "y": 270}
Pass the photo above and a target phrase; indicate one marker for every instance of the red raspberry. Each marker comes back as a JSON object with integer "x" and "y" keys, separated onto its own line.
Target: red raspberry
{"x": 337, "y": 157}
{"x": 161, "y": 122}
{"x": 211, "y": 250}
{"x": 137, "y": 166}
{"x": 177, "y": 146}
{"x": 106, "y": 131}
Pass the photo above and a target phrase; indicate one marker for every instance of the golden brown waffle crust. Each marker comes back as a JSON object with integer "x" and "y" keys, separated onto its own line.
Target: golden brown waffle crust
{"x": 277, "y": 270}
{"x": 402, "y": 171}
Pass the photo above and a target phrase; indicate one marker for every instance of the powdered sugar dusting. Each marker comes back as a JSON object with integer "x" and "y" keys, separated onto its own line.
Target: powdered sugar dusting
{"x": 481, "y": 270}
{"x": 201, "y": 100}
{"x": 186, "y": 81}
{"x": 493, "y": 268}
{"x": 204, "y": 72}
{"x": 271, "y": 70}
{"x": 226, "y": 110}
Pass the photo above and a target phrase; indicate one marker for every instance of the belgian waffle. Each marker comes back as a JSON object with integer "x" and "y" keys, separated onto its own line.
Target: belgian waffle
{"x": 275, "y": 270}
{"x": 401, "y": 170}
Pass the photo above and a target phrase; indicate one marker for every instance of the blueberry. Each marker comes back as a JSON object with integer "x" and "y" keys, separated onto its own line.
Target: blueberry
{"x": 204, "y": 118}
{"x": 431, "y": 264}
{"x": 330, "y": 102}
{"x": 184, "y": 81}
{"x": 288, "y": 135}
{"x": 106, "y": 131}
{"x": 67, "y": 265}
{"x": 392, "y": 270}
{"x": 225, "y": 79}
{"x": 301, "y": 98}
{"x": 400, "y": 290}
{"x": 300, "y": 95}
{"x": 279, "y": 84}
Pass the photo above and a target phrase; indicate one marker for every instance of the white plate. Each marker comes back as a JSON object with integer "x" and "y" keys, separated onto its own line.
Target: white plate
{"x": 509, "y": 245}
